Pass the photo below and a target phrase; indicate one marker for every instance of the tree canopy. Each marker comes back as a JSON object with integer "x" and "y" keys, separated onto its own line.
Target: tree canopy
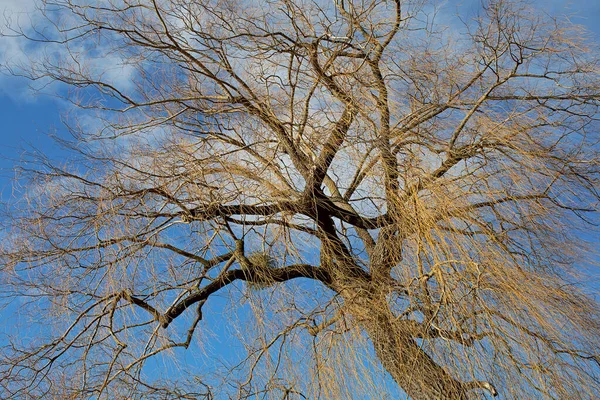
{"x": 364, "y": 198}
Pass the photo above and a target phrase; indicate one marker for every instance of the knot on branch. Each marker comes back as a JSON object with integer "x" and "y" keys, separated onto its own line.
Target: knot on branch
{"x": 482, "y": 385}
{"x": 186, "y": 218}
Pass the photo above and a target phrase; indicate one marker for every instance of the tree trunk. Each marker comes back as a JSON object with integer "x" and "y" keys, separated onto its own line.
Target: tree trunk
{"x": 412, "y": 369}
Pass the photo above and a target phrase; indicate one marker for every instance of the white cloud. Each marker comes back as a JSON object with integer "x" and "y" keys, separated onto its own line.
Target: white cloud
{"x": 14, "y": 50}
{"x": 17, "y": 53}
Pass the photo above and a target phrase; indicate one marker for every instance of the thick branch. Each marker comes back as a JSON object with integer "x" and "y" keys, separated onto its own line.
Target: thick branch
{"x": 219, "y": 210}
{"x": 276, "y": 275}
{"x": 332, "y": 145}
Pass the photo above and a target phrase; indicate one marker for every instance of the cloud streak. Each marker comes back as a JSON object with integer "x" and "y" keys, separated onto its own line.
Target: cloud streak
{"x": 19, "y": 54}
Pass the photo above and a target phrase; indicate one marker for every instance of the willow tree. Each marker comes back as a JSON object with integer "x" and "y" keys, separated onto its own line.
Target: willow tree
{"x": 386, "y": 201}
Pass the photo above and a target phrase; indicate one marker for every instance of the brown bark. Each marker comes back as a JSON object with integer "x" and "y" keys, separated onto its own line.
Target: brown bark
{"x": 408, "y": 364}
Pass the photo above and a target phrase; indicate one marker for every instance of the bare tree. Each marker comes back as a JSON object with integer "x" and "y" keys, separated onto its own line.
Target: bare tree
{"x": 362, "y": 182}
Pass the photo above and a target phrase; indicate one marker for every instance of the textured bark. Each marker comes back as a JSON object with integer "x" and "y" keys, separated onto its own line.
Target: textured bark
{"x": 411, "y": 367}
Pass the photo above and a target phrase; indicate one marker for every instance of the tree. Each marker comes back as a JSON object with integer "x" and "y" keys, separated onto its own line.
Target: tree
{"x": 355, "y": 176}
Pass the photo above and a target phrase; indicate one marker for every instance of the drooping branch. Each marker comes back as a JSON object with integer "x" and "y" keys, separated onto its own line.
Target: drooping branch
{"x": 302, "y": 130}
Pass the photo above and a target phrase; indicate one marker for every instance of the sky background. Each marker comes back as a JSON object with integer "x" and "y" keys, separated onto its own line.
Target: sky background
{"x": 29, "y": 117}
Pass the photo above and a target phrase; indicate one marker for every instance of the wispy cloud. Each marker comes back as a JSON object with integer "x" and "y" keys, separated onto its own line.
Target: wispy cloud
{"x": 21, "y": 18}
{"x": 14, "y": 50}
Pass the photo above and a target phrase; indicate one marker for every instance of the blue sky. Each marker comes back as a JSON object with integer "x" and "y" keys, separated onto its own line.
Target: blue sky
{"x": 28, "y": 117}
